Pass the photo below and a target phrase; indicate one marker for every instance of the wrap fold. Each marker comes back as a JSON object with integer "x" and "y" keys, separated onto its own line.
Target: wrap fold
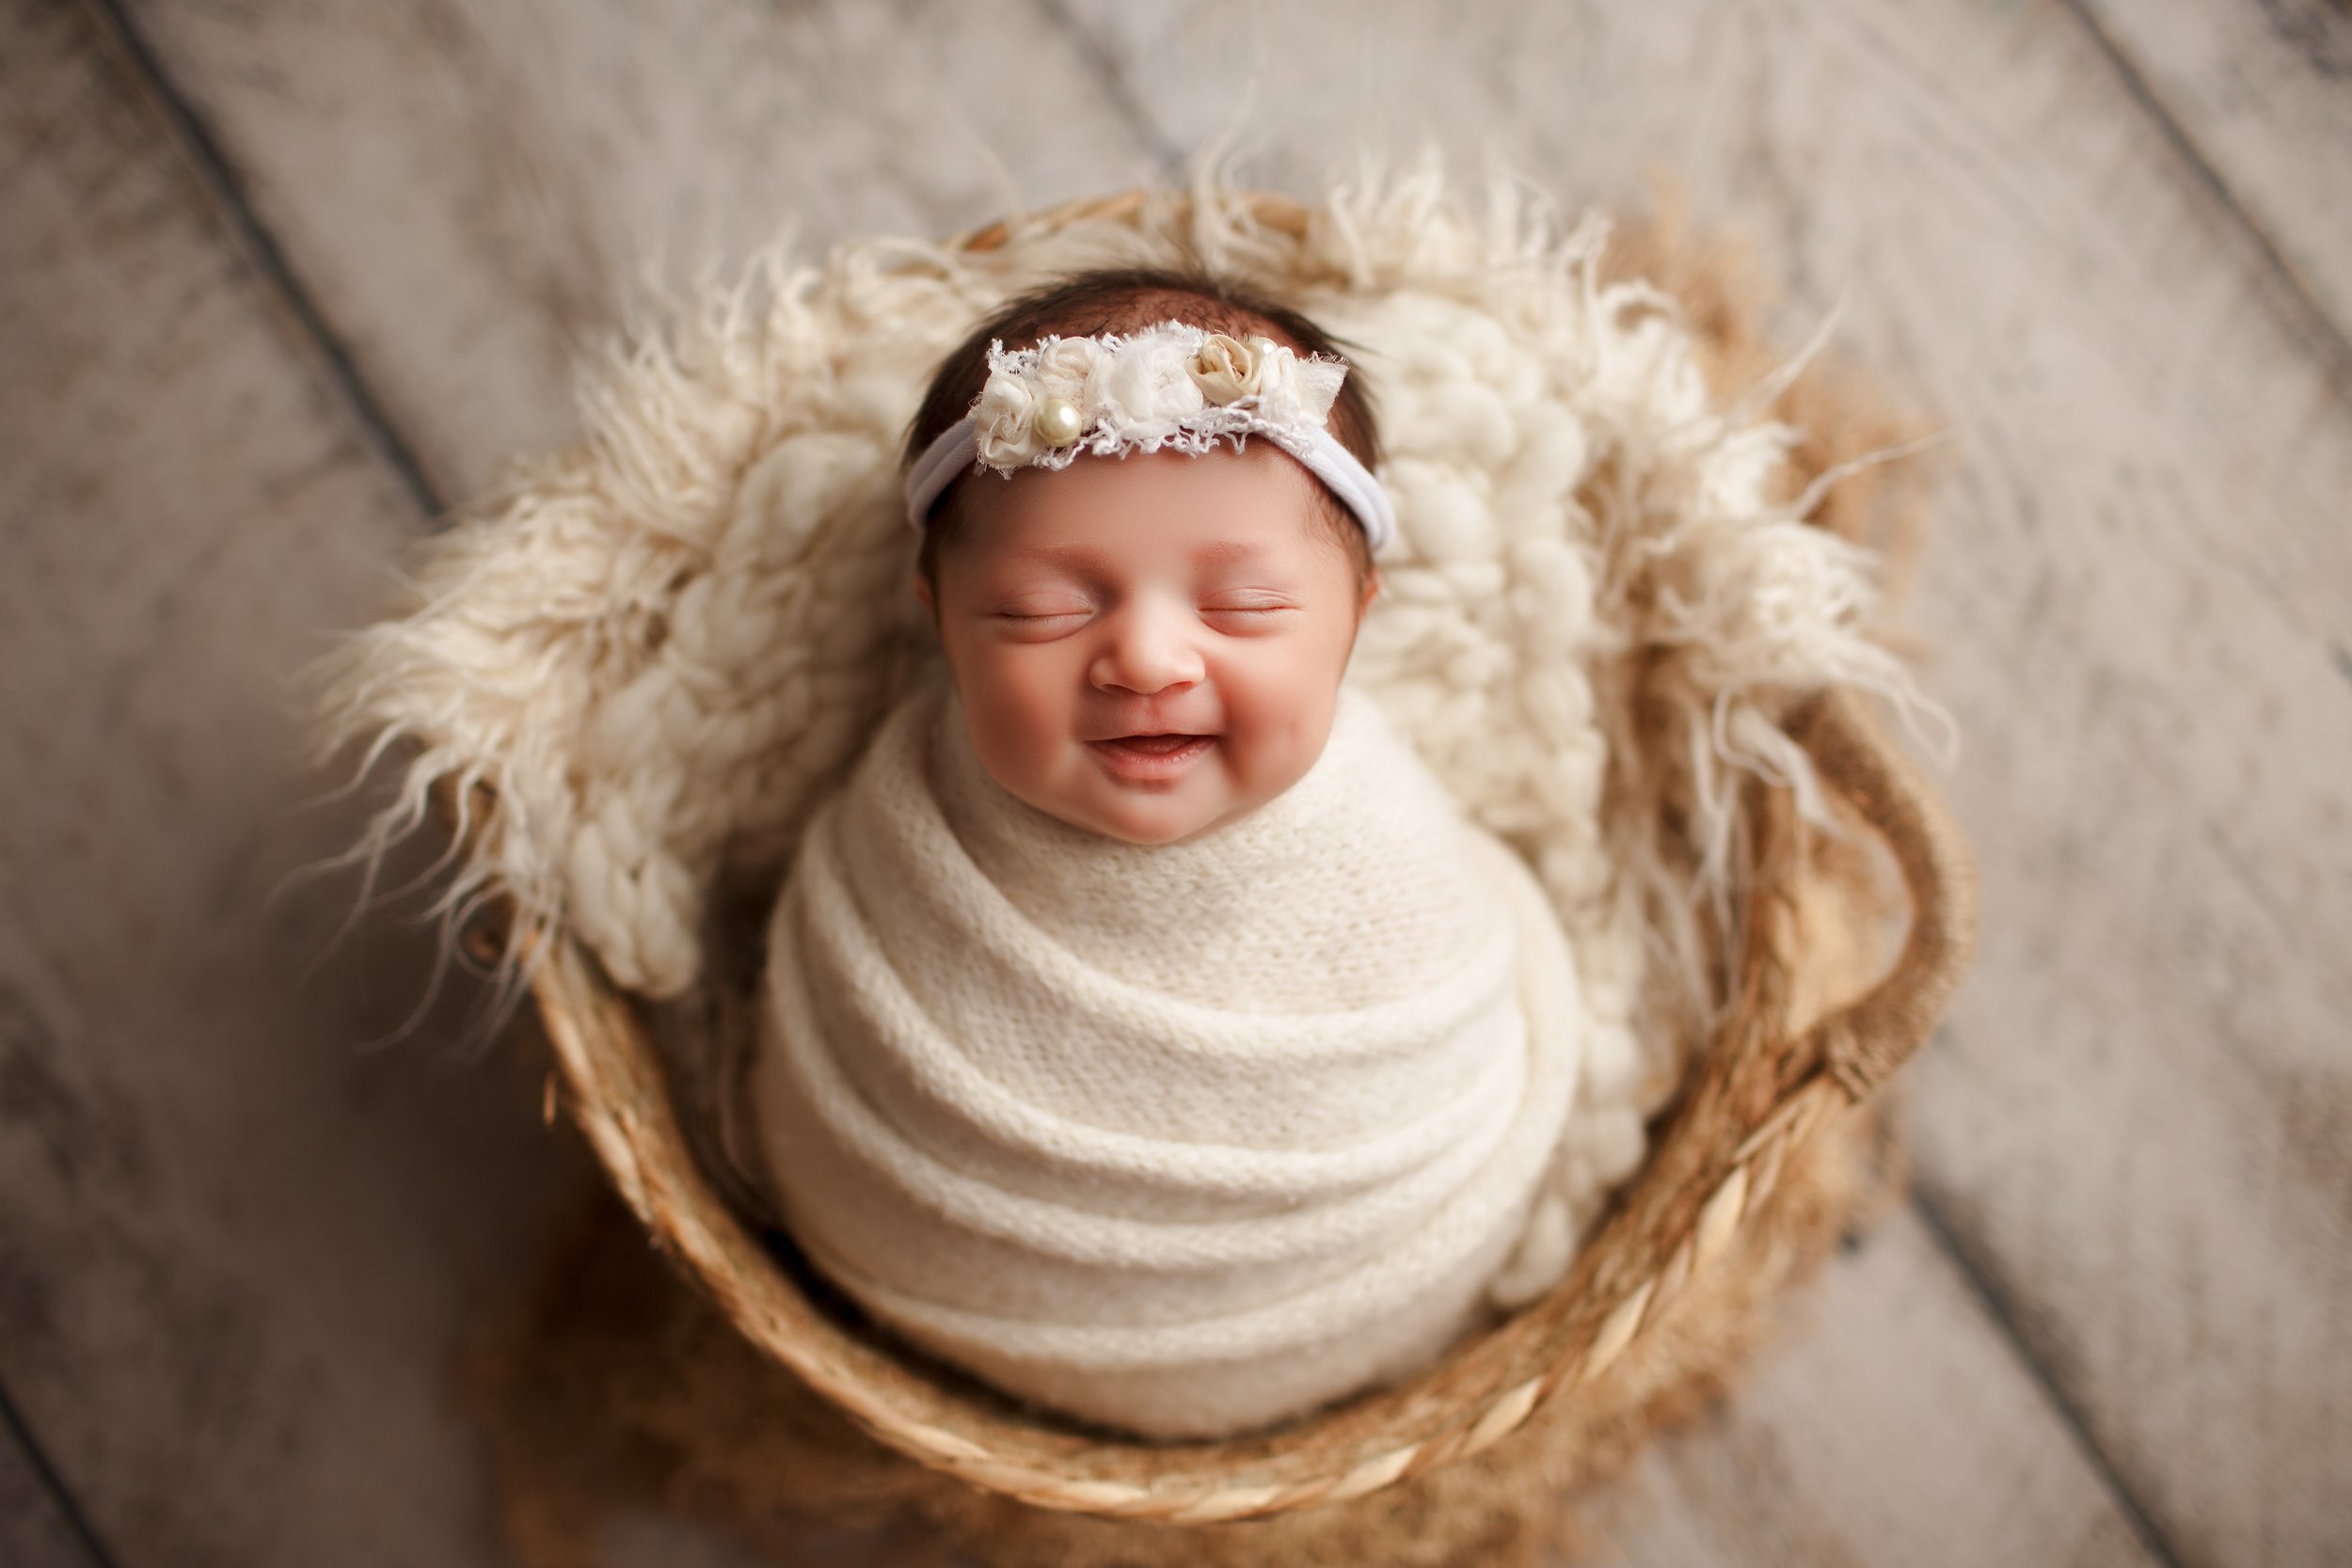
{"x": 1181, "y": 1139}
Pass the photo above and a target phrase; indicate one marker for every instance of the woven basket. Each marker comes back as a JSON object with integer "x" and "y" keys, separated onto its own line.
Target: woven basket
{"x": 1758, "y": 1092}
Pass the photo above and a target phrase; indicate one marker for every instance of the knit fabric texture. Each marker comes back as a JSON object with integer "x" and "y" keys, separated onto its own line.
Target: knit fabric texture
{"x": 636, "y": 667}
{"x": 1179, "y": 1139}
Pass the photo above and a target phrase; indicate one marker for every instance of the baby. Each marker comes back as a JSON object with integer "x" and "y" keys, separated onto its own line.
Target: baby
{"x": 1145, "y": 1031}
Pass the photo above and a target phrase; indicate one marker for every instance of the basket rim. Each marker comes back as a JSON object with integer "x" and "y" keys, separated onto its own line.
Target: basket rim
{"x": 615, "y": 1089}
{"x": 1752, "y": 1104}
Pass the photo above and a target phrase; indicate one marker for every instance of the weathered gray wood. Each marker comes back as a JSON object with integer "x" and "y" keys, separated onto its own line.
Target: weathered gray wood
{"x": 238, "y": 1253}
{"x": 469, "y": 191}
{"x": 2141, "y": 588}
{"x": 35, "y": 1530}
{"x": 2142, "y": 595}
{"x": 235, "y": 1253}
{"x": 1889, "y": 1425}
{"x": 1892, "y": 1428}
{"x": 2262, "y": 95}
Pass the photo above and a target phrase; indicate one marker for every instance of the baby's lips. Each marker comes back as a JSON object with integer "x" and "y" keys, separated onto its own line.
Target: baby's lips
{"x": 1151, "y": 761}
{"x": 1161, "y": 744}
{"x": 1124, "y": 721}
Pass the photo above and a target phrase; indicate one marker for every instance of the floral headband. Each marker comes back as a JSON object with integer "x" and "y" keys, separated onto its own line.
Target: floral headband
{"x": 1169, "y": 387}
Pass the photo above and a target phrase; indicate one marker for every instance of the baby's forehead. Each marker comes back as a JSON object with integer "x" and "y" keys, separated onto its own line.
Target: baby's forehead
{"x": 1108, "y": 548}
{"x": 1216, "y": 507}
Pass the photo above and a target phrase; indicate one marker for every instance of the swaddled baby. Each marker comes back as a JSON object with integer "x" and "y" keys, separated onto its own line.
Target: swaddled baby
{"x": 1145, "y": 1030}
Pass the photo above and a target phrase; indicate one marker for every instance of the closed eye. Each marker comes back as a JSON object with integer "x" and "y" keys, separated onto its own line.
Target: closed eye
{"x": 1043, "y": 620}
{"x": 1253, "y": 608}
{"x": 1032, "y": 607}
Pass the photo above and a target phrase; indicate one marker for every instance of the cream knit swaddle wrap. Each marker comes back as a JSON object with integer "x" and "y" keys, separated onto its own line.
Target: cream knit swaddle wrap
{"x": 1178, "y": 1139}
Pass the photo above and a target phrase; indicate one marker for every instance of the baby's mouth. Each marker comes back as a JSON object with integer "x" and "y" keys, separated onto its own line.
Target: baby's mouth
{"x": 1151, "y": 761}
{"x": 1153, "y": 745}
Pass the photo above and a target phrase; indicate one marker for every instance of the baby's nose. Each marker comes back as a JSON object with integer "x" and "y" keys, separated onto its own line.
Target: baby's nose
{"x": 1146, "y": 652}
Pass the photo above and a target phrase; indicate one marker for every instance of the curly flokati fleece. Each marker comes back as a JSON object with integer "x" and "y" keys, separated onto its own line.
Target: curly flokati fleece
{"x": 645, "y": 657}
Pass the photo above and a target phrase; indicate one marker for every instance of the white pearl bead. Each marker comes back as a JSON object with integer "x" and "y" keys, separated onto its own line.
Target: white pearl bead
{"x": 1058, "y": 422}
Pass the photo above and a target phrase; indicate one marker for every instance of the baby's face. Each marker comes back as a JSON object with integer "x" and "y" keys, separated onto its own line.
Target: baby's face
{"x": 1150, "y": 647}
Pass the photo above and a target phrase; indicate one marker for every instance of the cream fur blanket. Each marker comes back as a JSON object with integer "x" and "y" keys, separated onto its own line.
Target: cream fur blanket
{"x": 1179, "y": 1139}
{"x": 639, "y": 665}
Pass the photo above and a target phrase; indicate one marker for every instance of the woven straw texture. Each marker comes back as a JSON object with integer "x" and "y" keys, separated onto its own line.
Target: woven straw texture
{"x": 1666, "y": 1292}
{"x": 1772, "y": 1084}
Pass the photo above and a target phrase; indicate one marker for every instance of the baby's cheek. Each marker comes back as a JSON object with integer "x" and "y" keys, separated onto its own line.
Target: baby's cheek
{"x": 1017, "y": 711}
{"x": 1286, "y": 717}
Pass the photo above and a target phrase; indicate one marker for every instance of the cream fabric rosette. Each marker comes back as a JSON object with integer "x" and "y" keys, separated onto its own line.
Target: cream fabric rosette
{"x": 1004, "y": 422}
{"x": 729, "y": 552}
{"x": 1229, "y": 370}
{"x": 1170, "y": 385}
{"x": 1225, "y": 368}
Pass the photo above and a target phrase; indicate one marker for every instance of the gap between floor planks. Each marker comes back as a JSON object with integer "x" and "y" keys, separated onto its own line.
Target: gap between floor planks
{"x": 197, "y": 143}
{"x": 41, "y": 1523}
{"x": 220, "y": 177}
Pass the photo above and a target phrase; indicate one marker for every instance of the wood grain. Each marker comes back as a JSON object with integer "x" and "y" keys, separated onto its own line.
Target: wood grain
{"x": 470, "y": 191}
{"x": 1893, "y": 1429}
{"x": 35, "y": 1530}
{"x": 2142, "y": 595}
{"x": 238, "y": 1251}
{"x": 1962, "y": 1466}
{"x": 2262, "y": 97}
{"x": 2142, "y": 590}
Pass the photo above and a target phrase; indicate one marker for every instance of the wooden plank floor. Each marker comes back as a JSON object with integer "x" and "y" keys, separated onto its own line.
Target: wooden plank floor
{"x": 279, "y": 283}
{"x": 38, "y": 1529}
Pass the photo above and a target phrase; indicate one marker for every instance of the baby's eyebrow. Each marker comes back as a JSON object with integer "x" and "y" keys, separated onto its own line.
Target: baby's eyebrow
{"x": 1069, "y": 558}
{"x": 1080, "y": 558}
{"x": 1229, "y": 552}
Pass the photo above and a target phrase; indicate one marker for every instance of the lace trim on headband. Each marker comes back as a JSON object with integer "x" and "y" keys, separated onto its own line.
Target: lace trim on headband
{"x": 1046, "y": 404}
{"x": 1168, "y": 386}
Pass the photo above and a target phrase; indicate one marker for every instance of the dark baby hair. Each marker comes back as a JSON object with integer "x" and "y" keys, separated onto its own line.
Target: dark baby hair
{"x": 1128, "y": 299}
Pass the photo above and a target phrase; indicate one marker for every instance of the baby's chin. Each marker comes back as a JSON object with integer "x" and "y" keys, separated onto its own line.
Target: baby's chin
{"x": 1085, "y": 794}
{"x": 1147, "y": 817}
{"x": 1151, "y": 822}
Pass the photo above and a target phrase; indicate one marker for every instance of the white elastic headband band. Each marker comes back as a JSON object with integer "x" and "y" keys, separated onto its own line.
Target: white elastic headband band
{"x": 1169, "y": 387}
